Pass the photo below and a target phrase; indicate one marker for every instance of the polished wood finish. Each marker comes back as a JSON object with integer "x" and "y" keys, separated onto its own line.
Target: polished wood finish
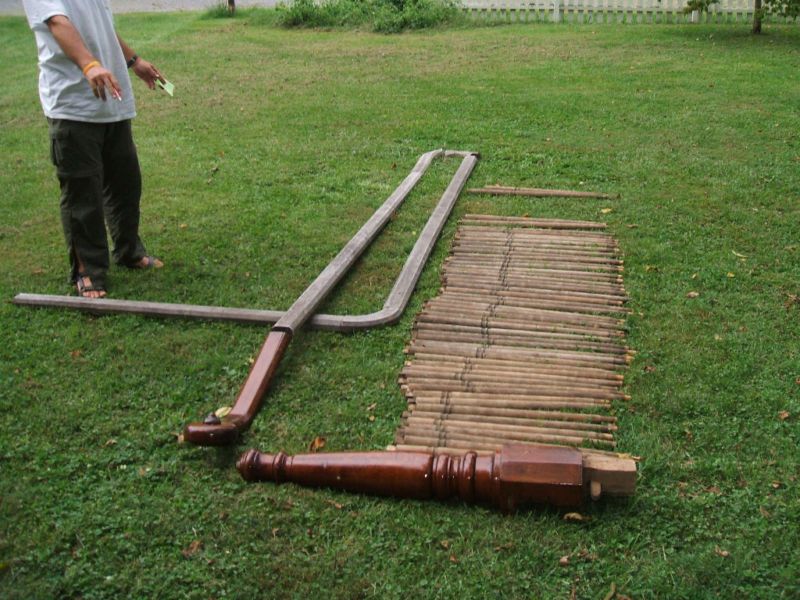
{"x": 219, "y": 432}
{"x": 516, "y": 476}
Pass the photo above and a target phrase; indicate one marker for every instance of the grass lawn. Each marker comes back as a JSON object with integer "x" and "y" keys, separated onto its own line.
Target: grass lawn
{"x": 276, "y": 148}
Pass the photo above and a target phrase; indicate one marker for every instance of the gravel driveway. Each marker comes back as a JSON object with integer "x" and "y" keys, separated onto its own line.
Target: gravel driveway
{"x": 14, "y": 7}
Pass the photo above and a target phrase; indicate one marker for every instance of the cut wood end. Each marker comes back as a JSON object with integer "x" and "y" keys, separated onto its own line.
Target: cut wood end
{"x": 613, "y": 475}
{"x": 595, "y": 489}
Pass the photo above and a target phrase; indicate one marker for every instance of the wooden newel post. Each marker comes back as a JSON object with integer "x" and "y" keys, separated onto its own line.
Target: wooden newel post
{"x": 515, "y": 476}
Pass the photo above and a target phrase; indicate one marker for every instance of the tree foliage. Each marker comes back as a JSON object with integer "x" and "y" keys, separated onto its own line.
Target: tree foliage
{"x": 782, "y": 8}
{"x": 788, "y": 9}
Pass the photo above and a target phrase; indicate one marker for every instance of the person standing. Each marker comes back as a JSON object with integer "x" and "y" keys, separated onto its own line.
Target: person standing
{"x": 87, "y": 98}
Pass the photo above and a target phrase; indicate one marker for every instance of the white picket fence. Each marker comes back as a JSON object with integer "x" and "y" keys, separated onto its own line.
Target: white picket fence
{"x": 608, "y": 11}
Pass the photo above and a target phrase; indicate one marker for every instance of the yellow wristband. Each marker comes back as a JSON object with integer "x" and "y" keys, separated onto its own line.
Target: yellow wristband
{"x": 94, "y": 63}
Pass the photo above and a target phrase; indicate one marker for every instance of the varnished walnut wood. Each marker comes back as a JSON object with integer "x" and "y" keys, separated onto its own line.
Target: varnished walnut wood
{"x": 515, "y": 476}
{"x": 224, "y": 431}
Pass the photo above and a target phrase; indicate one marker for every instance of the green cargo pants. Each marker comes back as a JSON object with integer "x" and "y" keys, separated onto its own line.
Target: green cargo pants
{"x": 98, "y": 170}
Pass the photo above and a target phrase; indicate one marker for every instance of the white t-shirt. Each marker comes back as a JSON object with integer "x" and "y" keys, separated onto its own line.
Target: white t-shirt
{"x": 64, "y": 91}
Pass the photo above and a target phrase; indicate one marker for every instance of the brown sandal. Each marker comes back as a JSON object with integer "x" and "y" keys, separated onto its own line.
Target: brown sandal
{"x": 85, "y": 289}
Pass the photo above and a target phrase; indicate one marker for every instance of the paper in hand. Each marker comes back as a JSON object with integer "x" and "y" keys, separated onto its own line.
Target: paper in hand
{"x": 166, "y": 86}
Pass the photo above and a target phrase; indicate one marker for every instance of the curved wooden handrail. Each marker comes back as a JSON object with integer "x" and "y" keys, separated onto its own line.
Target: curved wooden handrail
{"x": 392, "y": 309}
{"x": 214, "y": 430}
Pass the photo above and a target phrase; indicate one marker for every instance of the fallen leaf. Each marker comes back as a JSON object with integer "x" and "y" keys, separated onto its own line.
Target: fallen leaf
{"x": 335, "y": 504}
{"x": 507, "y": 546}
{"x": 694, "y": 275}
{"x": 776, "y": 485}
{"x": 605, "y": 211}
{"x": 38, "y": 271}
{"x": 713, "y": 489}
{"x": 632, "y": 226}
{"x": 110, "y": 442}
{"x": 317, "y": 444}
{"x": 720, "y": 552}
{"x": 372, "y": 406}
{"x": 183, "y": 226}
{"x": 731, "y": 275}
{"x": 564, "y": 561}
{"x": 453, "y": 559}
{"x": 574, "y": 516}
{"x": 586, "y": 555}
{"x": 649, "y": 369}
{"x": 611, "y": 592}
{"x": 192, "y": 549}
{"x": 371, "y": 418}
{"x": 783, "y": 415}
{"x": 275, "y": 531}
{"x": 649, "y": 268}
{"x": 222, "y": 411}
{"x": 76, "y": 354}
{"x": 797, "y": 381}
{"x": 445, "y": 544}
{"x": 764, "y": 512}
{"x": 692, "y": 294}
{"x": 735, "y": 253}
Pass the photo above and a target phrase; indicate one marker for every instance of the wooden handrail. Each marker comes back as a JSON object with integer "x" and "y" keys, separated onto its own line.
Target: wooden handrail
{"x": 214, "y": 430}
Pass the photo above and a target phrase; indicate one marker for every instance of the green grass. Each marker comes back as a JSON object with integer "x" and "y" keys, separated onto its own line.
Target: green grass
{"x": 277, "y": 147}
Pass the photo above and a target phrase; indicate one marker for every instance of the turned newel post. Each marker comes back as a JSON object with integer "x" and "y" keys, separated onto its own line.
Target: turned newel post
{"x": 515, "y": 476}
{"x": 258, "y": 466}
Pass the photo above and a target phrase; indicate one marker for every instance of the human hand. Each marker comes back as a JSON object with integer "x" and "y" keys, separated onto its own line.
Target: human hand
{"x": 100, "y": 79}
{"x": 147, "y": 72}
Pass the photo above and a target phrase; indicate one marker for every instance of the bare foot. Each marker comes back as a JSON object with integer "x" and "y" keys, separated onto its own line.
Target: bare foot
{"x": 86, "y": 289}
